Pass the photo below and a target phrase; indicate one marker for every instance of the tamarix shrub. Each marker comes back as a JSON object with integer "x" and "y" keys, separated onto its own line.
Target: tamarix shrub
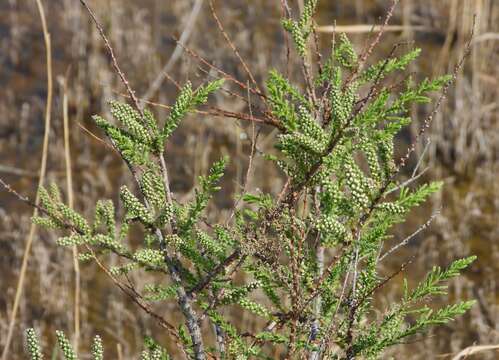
{"x": 310, "y": 254}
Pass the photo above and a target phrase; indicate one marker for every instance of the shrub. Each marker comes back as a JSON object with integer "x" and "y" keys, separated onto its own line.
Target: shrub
{"x": 310, "y": 255}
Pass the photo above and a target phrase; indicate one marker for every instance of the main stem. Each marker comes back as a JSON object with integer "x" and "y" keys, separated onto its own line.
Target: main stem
{"x": 184, "y": 300}
{"x": 185, "y": 303}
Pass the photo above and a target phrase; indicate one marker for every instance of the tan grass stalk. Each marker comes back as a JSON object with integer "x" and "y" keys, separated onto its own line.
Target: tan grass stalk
{"x": 367, "y": 28}
{"x": 119, "y": 351}
{"x": 43, "y": 166}
{"x": 69, "y": 184}
{"x": 470, "y": 350}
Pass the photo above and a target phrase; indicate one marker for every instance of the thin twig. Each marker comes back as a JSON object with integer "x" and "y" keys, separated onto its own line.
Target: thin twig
{"x": 113, "y": 58}
{"x": 410, "y": 237}
{"x": 415, "y": 174}
{"x": 226, "y": 76}
{"x": 214, "y": 111}
{"x": 254, "y": 137}
{"x": 443, "y": 94}
{"x": 421, "y": 158}
{"x": 98, "y": 139}
{"x": 365, "y": 54}
{"x": 408, "y": 181}
{"x": 232, "y": 46}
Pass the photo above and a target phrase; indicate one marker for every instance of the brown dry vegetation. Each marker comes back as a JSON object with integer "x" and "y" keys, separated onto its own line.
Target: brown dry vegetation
{"x": 463, "y": 151}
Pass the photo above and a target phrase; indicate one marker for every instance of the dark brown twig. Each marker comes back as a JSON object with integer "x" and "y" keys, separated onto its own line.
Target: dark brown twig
{"x": 232, "y": 46}
{"x": 225, "y": 75}
{"x": 443, "y": 95}
{"x": 365, "y": 54}
{"x": 113, "y": 58}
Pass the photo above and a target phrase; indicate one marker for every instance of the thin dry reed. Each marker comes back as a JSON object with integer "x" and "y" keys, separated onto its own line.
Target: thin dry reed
{"x": 43, "y": 167}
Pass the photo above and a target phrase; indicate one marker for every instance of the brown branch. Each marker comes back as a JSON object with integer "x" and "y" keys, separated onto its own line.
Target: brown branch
{"x": 443, "y": 95}
{"x": 113, "y": 58}
{"x": 221, "y": 267}
{"x": 374, "y": 43}
{"x": 232, "y": 46}
{"x": 41, "y": 179}
{"x": 137, "y": 298}
{"x": 267, "y": 119}
{"x": 247, "y": 117}
{"x": 227, "y": 76}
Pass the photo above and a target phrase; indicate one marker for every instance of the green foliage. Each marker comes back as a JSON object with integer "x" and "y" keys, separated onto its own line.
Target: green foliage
{"x": 153, "y": 352}
{"x": 156, "y": 352}
{"x": 387, "y": 66}
{"x": 65, "y": 346}
{"x": 160, "y": 293}
{"x": 131, "y": 120}
{"x": 432, "y": 284}
{"x": 300, "y": 30}
{"x": 153, "y": 189}
{"x": 179, "y": 110}
{"x": 186, "y": 100}
{"x": 283, "y": 98}
{"x": 208, "y": 186}
{"x": 344, "y": 53}
{"x": 132, "y": 149}
{"x": 97, "y": 348}
{"x": 408, "y": 199}
{"x": 32, "y": 345}
{"x": 393, "y": 328}
{"x": 104, "y": 215}
{"x": 305, "y": 259}
{"x": 135, "y": 209}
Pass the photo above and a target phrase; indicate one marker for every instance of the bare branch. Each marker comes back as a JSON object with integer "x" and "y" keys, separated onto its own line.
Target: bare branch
{"x": 410, "y": 237}
{"x": 232, "y": 46}
{"x": 113, "y": 58}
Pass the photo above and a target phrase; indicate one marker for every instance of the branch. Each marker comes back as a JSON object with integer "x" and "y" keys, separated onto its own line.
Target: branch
{"x": 232, "y": 46}
{"x": 113, "y": 58}
{"x": 410, "y": 237}
{"x": 183, "y": 300}
{"x": 427, "y": 122}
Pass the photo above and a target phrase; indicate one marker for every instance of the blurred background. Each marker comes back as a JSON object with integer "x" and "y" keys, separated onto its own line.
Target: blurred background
{"x": 463, "y": 149}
